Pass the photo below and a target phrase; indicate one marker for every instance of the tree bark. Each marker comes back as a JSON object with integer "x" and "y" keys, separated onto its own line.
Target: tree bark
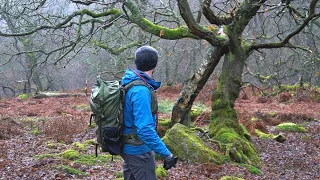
{"x": 224, "y": 126}
{"x": 182, "y": 107}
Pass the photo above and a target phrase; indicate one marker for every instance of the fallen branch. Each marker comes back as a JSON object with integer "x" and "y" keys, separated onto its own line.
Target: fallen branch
{"x": 57, "y": 95}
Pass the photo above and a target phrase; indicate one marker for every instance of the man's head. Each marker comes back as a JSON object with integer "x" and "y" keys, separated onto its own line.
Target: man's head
{"x": 146, "y": 58}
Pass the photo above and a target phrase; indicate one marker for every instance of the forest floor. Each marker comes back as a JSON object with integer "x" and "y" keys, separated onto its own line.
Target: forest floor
{"x": 35, "y": 132}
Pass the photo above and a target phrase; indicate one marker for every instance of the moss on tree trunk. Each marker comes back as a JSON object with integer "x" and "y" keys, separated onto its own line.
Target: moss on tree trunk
{"x": 224, "y": 125}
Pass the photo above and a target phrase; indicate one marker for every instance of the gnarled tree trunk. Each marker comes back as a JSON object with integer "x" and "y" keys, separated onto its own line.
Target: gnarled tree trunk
{"x": 182, "y": 107}
{"x": 224, "y": 126}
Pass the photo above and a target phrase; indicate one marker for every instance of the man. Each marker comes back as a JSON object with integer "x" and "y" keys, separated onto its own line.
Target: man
{"x": 140, "y": 136}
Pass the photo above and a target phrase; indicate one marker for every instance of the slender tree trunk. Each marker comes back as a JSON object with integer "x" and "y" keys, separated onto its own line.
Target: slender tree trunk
{"x": 182, "y": 107}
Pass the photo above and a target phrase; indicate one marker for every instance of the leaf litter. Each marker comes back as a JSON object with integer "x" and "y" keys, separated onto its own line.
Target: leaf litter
{"x": 297, "y": 158}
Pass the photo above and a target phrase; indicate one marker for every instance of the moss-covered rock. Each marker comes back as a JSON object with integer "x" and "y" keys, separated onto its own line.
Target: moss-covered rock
{"x": 79, "y": 146}
{"x": 70, "y": 154}
{"x": 230, "y": 178}
{"x": 164, "y": 122}
{"x": 263, "y": 135}
{"x": 161, "y": 172}
{"x": 290, "y": 127}
{"x": 185, "y": 144}
{"x": 89, "y": 142}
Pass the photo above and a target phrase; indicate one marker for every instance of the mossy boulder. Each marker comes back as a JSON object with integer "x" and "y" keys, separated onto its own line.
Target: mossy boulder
{"x": 79, "y": 146}
{"x": 89, "y": 142}
{"x": 291, "y": 127}
{"x": 164, "y": 122}
{"x": 70, "y": 154}
{"x": 184, "y": 143}
{"x": 263, "y": 135}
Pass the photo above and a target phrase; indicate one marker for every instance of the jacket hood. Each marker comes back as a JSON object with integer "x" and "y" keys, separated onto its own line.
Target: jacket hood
{"x": 131, "y": 76}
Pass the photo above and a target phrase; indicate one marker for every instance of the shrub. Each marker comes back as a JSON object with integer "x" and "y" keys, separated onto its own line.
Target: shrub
{"x": 63, "y": 129}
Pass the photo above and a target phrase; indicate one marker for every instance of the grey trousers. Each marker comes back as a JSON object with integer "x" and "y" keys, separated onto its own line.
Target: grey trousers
{"x": 139, "y": 167}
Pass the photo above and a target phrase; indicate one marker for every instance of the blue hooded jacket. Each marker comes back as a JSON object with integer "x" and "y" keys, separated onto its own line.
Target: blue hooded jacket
{"x": 137, "y": 114}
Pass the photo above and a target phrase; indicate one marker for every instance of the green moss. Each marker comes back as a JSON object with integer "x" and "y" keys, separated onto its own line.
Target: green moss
{"x": 79, "y": 146}
{"x": 91, "y": 159}
{"x": 23, "y": 96}
{"x": 254, "y": 170}
{"x": 230, "y": 178}
{"x": 92, "y": 125}
{"x": 194, "y": 112}
{"x": 254, "y": 119}
{"x": 119, "y": 174}
{"x": 89, "y": 142}
{"x": 184, "y": 143}
{"x": 246, "y": 133}
{"x": 236, "y": 146}
{"x": 291, "y": 127}
{"x": 51, "y": 145}
{"x": 164, "y": 122}
{"x": 71, "y": 170}
{"x": 263, "y": 135}
{"x": 272, "y": 114}
{"x": 70, "y": 154}
{"x": 36, "y": 131}
{"x": 83, "y": 107}
{"x": 161, "y": 172}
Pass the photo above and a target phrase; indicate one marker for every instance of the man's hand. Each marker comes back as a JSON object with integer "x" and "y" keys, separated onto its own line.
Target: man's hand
{"x": 169, "y": 162}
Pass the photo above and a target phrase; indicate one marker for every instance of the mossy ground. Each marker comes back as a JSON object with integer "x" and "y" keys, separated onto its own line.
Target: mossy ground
{"x": 71, "y": 170}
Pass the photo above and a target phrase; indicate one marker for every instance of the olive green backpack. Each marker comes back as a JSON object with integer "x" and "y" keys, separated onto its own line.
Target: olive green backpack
{"x": 106, "y": 102}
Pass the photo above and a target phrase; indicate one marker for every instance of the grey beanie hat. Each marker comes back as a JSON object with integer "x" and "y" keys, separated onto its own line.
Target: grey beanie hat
{"x": 146, "y": 58}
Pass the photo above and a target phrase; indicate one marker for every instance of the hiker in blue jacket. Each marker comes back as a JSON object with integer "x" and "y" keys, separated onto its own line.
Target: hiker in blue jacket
{"x": 139, "y": 129}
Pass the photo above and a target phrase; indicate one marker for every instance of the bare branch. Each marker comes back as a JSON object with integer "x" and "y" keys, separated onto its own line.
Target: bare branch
{"x": 214, "y": 19}
{"x": 285, "y": 41}
{"x": 196, "y": 29}
{"x": 66, "y": 21}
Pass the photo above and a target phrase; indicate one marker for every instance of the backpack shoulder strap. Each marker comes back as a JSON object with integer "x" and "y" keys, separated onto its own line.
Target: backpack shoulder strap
{"x": 135, "y": 83}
